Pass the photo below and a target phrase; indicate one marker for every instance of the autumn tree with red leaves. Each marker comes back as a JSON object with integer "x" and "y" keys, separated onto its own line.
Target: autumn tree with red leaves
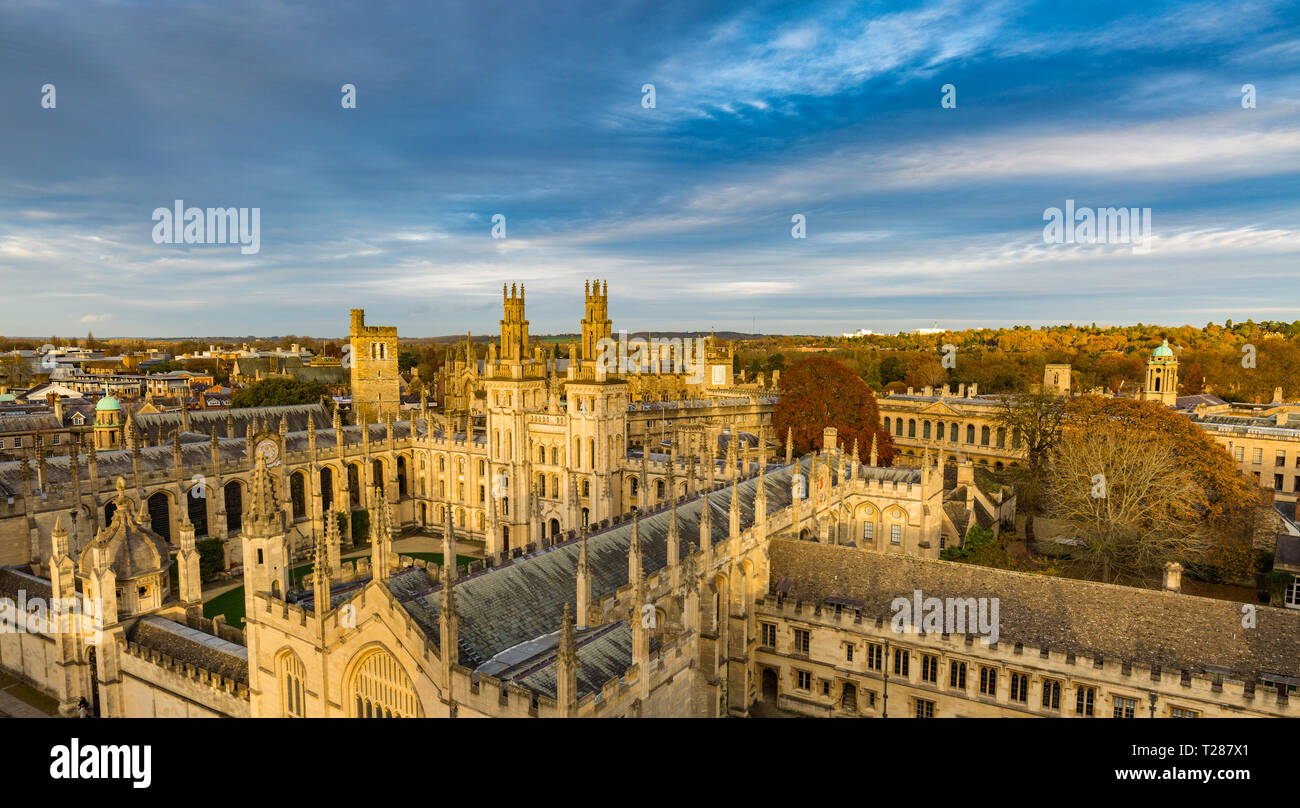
{"x": 818, "y": 392}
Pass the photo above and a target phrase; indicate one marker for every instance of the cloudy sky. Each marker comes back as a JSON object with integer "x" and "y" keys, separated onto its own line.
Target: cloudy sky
{"x": 914, "y": 213}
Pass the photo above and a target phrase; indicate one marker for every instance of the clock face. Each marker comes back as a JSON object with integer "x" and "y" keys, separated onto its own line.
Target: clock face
{"x": 268, "y": 451}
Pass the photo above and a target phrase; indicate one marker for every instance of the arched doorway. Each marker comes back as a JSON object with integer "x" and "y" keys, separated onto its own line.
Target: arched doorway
{"x": 555, "y": 529}
{"x": 770, "y": 686}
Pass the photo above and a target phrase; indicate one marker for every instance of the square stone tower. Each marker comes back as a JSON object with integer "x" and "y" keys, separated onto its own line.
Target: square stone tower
{"x": 1056, "y": 379}
{"x": 376, "y": 389}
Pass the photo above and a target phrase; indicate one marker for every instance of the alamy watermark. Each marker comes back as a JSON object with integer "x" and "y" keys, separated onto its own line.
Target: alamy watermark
{"x": 957, "y": 616}
{"x": 182, "y": 225}
{"x": 1098, "y": 226}
{"x": 67, "y": 617}
{"x": 653, "y": 355}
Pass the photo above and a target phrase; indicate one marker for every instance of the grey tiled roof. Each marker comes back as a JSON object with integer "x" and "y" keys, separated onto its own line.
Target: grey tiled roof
{"x": 190, "y": 645}
{"x": 1173, "y": 631}
{"x": 501, "y": 607}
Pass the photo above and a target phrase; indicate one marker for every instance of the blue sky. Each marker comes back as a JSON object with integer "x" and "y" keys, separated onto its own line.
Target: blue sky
{"x": 915, "y": 213}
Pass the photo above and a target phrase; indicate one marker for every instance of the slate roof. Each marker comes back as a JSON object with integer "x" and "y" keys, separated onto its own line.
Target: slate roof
{"x": 1173, "y": 631}
{"x": 500, "y": 607}
{"x": 20, "y": 579}
{"x": 186, "y": 644}
{"x": 165, "y": 423}
{"x": 604, "y": 653}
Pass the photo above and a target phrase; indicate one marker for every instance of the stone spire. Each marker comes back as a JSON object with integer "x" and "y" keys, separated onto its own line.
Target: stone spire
{"x": 733, "y": 512}
{"x": 263, "y": 516}
{"x": 59, "y": 540}
{"x": 381, "y": 538}
{"x": 706, "y": 528}
{"x": 789, "y": 445}
{"x": 566, "y": 669}
{"x": 584, "y": 581}
{"x": 323, "y": 564}
{"x": 448, "y": 644}
{"x": 674, "y": 536}
{"x": 634, "y": 564}
{"x": 873, "y": 450}
{"x": 333, "y": 542}
{"x": 188, "y": 574}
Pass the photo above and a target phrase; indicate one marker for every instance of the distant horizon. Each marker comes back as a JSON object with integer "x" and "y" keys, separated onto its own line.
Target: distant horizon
{"x": 728, "y": 334}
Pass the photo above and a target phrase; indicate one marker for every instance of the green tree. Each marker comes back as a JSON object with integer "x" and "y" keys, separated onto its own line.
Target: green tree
{"x": 279, "y": 392}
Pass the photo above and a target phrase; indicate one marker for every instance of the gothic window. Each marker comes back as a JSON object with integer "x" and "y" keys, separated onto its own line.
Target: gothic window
{"x": 380, "y": 688}
{"x": 292, "y": 673}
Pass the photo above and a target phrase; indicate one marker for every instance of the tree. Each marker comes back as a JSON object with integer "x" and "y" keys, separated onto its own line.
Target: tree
{"x": 818, "y": 392}
{"x": 1226, "y": 502}
{"x": 1035, "y": 419}
{"x": 278, "y": 392}
{"x": 407, "y": 358}
{"x": 1132, "y": 502}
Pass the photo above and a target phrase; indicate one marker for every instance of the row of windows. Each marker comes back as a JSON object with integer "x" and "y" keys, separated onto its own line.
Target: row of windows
{"x": 1085, "y": 696}
{"x": 869, "y": 533}
{"x": 1257, "y": 457}
{"x": 987, "y": 435}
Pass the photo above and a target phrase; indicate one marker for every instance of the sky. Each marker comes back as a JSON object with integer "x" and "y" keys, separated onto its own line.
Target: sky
{"x": 914, "y": 212}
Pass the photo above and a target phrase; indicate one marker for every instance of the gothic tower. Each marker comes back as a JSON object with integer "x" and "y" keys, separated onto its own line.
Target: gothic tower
{"x": 596, "y": 324}
{"x": 376, "y": 389}
{"x": 265, "y": 555}
{"x": 514, "y": 328}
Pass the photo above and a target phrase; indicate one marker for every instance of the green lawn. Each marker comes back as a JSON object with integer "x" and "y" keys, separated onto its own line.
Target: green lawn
{"x": 231, "y": 602}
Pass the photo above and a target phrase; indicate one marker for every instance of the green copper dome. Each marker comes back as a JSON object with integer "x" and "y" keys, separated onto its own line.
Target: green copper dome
{"x": 1163, "y": 350}
{"x": 107, "y": 404}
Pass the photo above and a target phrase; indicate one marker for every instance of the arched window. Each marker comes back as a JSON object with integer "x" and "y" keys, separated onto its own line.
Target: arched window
{"x": 291, "y": 675}
{"x": 298, "y": 494}
{"x": 970, "y": 433}
{"x": 984, "y": 436}
{"x": 925, "y": 430}
{"x": 952, "y": 433}
{"x": 380, "y": 688}
{"x": 1002, "y": 438}
{"x": 938, "y": 431}
{"x": 889, "y": 427}
{"x": 911, "y": 427}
